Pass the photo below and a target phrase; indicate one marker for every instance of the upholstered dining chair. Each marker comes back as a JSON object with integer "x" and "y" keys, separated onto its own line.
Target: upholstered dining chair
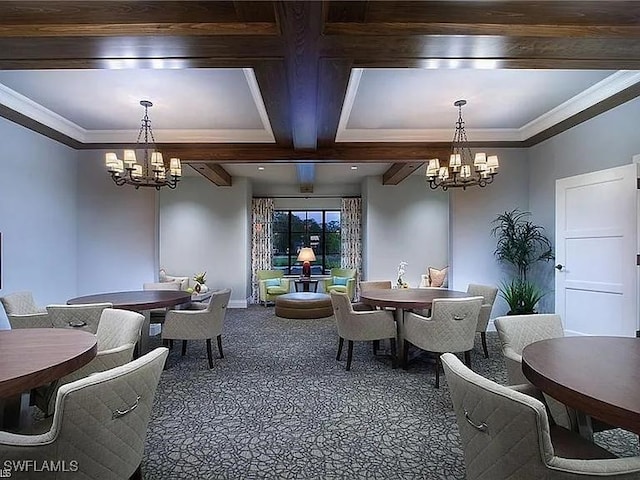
{"x": 450, "y": 328}
{"x": 82, "y": 317}
{"x": 370, "y": 285}
{"x": 100, "y": 424}
{"x": 156, "y": 315}
{"x": 117, "y": 334}
{"x": 272, "y": 283}
{"x": 505, "y": 434}
{"x": 342, "y": 280}
{"x": 361, "y": 326}
{"x": 199, "y": 324}
{"x": 23, "y": 312}
{"x": 489, "y": 293}
{"x": 518, "y": 331}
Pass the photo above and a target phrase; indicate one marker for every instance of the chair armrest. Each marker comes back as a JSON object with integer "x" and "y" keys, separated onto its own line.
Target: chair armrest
{"x": 528, "y": 389}
{"x": 262, "y": 286}
{"x": 30, "y": 320}
{"x": 629, "y": 466}
{"x": 351, "y": 288}
{"x": 285, "y": 283}
{"x": 18, "y": 440}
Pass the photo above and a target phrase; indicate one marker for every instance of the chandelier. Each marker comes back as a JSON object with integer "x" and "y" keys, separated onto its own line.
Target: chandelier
{"x": 151, "y": 171}
{"x": 460, "y": 173}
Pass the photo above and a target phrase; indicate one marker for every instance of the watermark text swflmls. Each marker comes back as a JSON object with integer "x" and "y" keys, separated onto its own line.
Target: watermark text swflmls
{"x": 10, "y": 466}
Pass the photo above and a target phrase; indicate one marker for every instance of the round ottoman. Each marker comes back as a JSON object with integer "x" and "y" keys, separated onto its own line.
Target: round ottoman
{"x": 303, "y": 305}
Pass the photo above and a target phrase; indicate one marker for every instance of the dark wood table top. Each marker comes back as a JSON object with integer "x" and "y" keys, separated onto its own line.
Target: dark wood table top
{"x": 137, "y": 300}
{"x": 599, "y": 376}
{"x": 407, "y": 298}
{"x": 31, "y": 357}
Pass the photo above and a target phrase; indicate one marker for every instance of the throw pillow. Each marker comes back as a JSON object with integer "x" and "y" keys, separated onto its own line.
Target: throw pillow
{"x": 437, "y": 277}
{"x": 340, "y": 280}
{"x": 272, "y": 282}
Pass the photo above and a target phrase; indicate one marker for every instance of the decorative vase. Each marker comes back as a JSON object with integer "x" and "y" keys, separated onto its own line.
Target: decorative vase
{"x": 197, "y": 288}
{"x": 203, "y": 288}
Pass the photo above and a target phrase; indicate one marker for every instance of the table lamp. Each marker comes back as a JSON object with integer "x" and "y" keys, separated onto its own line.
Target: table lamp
{"x": 306, "y": 256}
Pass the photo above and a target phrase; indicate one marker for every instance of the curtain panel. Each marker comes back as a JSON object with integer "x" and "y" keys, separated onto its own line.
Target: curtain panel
{"x": 351, "y": 236}
{"x": 261, "y": 241}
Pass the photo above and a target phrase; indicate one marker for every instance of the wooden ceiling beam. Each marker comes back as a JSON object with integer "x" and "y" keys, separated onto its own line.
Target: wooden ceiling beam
{"x": 399, "y": 171}
{"x": 301, "y": 24}
{"x": 334, "y": 77}
{"x": 272, "y": 80}
{"x": 213, "y": 172}
{"x": 341, "y": 152}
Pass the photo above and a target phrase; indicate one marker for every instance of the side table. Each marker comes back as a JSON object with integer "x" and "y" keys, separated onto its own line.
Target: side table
{"x": 306, "y": 284}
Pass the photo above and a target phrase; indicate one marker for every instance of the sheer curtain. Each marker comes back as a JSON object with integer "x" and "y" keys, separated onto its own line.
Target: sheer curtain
{"x": 261, "y": 240}
{"x": 351, "y": 236}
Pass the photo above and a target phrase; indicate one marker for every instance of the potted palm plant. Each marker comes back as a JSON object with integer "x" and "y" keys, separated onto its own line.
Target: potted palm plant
{"x": 520, "y": 245}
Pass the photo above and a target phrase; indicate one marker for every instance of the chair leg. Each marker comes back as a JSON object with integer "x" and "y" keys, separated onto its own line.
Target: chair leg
{"x": 467, "y": 358}
{"x": 376, "y": 346}
{"x": 137, "y": 475}
{"x": 220, "y": 346}
{"x": 340, "y": 342}
{"x": 405, "y": 356}
{"x": 349, "y": 354}
{"x": 437, "y": 370}
{"x": 170, "y": 344}
{"x": 209, "y": 354}
{"x": 184, "y": 347}
{"x": 483, "y": 337}
{"x": 394, "y": 358}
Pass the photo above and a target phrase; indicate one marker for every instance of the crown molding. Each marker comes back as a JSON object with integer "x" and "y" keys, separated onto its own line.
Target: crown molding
{"x": 598, "y": 92}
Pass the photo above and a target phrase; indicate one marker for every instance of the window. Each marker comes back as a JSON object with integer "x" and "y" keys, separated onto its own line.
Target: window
{"x": 294, "y": 229}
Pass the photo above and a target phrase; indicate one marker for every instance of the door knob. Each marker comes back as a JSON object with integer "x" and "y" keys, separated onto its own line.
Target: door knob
{"x": 559, "y": 267}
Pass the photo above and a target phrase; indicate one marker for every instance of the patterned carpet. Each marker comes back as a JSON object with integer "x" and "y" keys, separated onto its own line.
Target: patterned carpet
{"x": 279, "y": 406}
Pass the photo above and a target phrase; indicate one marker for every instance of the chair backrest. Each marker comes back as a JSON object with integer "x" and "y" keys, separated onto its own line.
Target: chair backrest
{"x": 20, "y": 303}
{"x": 101, "y": 421}
{"x": 518, "y": 331}
{"x": 118, "y": 327}
{"x": 504, "y": 433}
{"x": 343, "y": 272}
{"x": 383, "y": 284}
{"x": 217, "y": 309}
{"x": 82, "y": 317}
{"x": 342, "y": 308}
{"x": 267, "y": 274}
{"x": 30, "y": 320}
{"x": 161, "y": 286}
{"x": 489, "y": 293}
{"x": 454, "y": 323}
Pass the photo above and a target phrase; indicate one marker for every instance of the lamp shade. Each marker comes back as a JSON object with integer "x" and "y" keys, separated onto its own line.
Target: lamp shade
{"x": 306, "y": 255}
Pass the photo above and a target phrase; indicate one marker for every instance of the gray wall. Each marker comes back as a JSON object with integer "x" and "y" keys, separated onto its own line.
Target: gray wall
{"x": 407, "y": 222}
{"x": 609, "y": 140}
{"x": 38, "y": 216}
{"x": 117, "y": 230}
{"x": 472, "y": 213}
{"x": 207, "y": 228}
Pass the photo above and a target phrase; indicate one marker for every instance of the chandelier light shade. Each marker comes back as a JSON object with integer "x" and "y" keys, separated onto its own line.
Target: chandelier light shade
{"x": 306, "y": 256}
{"x": 151, "y": 171}
{"x": 464, "y": 169}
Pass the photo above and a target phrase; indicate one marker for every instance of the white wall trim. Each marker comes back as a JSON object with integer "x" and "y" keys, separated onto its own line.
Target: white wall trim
{"x": 349, "y": 98}
{"x": 254, "y": 88}
{"x": 602, "y": 90}
{"x": 24, "y": 105}
{"x": 183, "y": 136}
{"x": 238, "y": 303}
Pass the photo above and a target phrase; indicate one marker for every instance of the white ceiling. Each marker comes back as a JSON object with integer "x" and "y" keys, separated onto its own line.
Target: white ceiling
{"x": 225, "y": 105}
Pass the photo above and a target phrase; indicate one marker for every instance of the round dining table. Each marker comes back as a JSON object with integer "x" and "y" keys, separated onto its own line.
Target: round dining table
{"x": 138, "y": 301}
{"x": 597, "y": 376}
{"x": 31, "y": 357}
{"x": 406, "y": 299}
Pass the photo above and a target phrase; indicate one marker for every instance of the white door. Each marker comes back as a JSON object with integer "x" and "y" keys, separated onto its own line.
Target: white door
{"x": 596, "y": 249}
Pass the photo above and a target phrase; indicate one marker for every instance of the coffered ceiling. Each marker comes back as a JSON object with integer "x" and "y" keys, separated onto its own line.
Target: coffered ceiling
{"x": 301, "y": 84}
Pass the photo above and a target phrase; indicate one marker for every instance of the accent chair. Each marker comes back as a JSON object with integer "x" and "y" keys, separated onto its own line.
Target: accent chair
{"x": 343, "y": 280}
{"x": 23, "y": 312}
{"x": 272, "y": 283}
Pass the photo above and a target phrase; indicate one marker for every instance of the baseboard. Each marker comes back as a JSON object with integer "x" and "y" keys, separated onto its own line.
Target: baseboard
{"x": 238, "y": 303}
